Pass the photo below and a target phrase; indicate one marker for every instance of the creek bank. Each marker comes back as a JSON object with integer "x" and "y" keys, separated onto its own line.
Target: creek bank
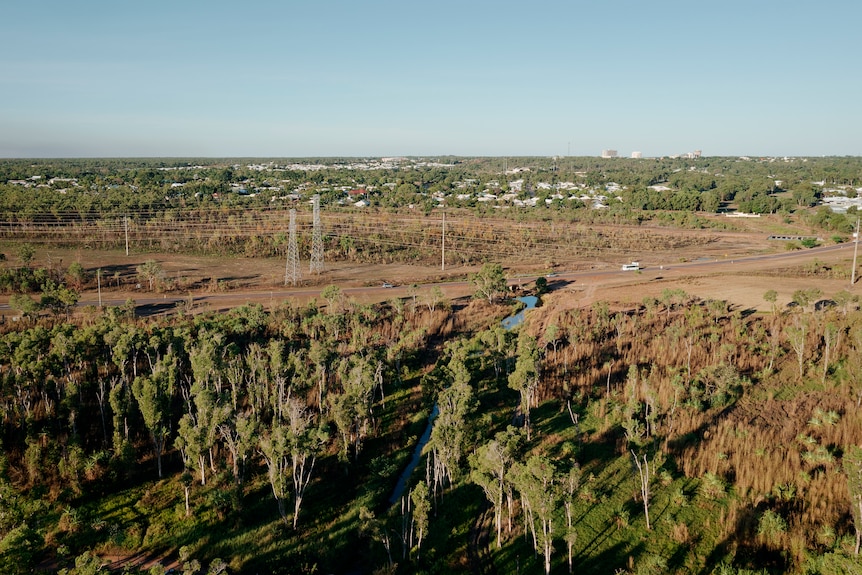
{"x": 510, "y": 322}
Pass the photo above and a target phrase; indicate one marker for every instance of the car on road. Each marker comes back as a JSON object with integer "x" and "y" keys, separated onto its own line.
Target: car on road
{"x": 387, "y": 285}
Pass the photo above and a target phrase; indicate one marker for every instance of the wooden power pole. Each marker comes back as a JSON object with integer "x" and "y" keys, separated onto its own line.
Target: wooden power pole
{"x": 855, "y": 251}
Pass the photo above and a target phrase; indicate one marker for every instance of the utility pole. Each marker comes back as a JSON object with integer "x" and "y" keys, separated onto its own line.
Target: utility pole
{"x": 126, "y": 225}
{"x": 855, "y": 251}
{"x": 292, "y": 273}
{"x": 316, "y": 238}
{"x": 443, "y": 253}
{"x": 99, "y": 283}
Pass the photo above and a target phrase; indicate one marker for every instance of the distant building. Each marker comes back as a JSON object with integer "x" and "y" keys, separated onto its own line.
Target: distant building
{"x": 609, "y": 153}
{"x": 637, "y": 155}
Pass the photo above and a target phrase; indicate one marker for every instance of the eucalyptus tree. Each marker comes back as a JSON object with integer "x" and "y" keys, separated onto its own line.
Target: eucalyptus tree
{"x": 26, "y": 252}
{"x": 845, "y": 301}
{"x": 305, "y": 441}
{"x": 806, "y": 297}
{"x": 255, "y": 369}
{"x": 489, "y": 282}
{"x": 455, "y": 403}
{"x": 278, "y": 385}
{"x": 797, "y": 336}
{"x": 321, "y": 355}
{"x": 27, "y": 359}
{"x": 25, "y": 305}
{"x": 420, "y": 516}
{"x": 239, "y": 431}
{"x": 570, "y": 482}
{"x": 120, "y": 401}
{"x": 206, "y": 357}
{"x": 489, "y": 469}
{"x": 275, "y": 450}
{"x": 289, "y": 439}
{"x": 771, "y": 296}
{"x": 434, "y": 298}
{"x": 350, "y": 409}
{"x": 153, "y": 394}
{"x": 126, "y": 342}
{"x": 151, "y": 272}
{"x": 77, "y": 275}
{"x": 497, "y": 342}
{"x": 199, "y": 427}
{"x": 553, "y": 336}
{"x": 334, "y": 299}
{"x": 525, "y": 378}
{"x": 58, "y": 298}
{"x": 537, "y": 482}
{"x": 642, "y": 463}
{"x": 376, "y": 528}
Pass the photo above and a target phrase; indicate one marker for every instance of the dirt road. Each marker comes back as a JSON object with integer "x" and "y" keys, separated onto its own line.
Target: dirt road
{"x": 739, "y": 272}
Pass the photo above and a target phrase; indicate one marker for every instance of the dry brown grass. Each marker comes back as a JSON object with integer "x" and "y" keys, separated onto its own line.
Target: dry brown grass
{"x": 776, "y": 439}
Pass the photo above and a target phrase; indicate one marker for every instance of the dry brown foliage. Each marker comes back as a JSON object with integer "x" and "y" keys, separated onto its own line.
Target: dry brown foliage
{"x": 730, "y": 396}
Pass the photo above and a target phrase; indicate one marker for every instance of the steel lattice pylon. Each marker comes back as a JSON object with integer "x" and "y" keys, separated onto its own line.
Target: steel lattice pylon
{"x": 316, "y": 239}
{"x": 292, "y": 273}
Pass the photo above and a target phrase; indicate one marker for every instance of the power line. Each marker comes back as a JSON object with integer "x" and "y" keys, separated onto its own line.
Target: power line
{"x": 292, "y": 272}
{"x": 443, "y": 245}
{"x": 316, "y": 239}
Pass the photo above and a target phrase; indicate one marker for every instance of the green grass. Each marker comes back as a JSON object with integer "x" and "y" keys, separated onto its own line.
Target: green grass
{"x": 147, "y": 517}
{"x": 609, "y": 519}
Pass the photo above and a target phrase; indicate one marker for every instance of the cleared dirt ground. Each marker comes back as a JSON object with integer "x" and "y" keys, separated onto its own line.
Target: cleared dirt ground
{"x": 718, "y": 265}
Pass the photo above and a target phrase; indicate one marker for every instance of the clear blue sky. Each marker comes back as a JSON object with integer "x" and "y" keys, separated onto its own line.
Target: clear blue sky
{"x": 384, "y": 77}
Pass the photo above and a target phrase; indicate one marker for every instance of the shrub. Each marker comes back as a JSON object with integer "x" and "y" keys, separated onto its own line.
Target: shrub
{"x": 771, "y": 527}
{"x": 712, "y": 487}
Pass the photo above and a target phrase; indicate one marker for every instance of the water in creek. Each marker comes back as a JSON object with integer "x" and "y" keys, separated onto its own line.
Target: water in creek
{"x": 508, "y": 323}
{"x": 530, "y": 302}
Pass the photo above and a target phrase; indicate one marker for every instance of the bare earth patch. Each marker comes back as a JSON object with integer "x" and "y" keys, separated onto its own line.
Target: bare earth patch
{"x": 578, "y": 278}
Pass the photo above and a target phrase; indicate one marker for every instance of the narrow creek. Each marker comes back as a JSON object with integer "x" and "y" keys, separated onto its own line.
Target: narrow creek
{"x": 510, "y": 322}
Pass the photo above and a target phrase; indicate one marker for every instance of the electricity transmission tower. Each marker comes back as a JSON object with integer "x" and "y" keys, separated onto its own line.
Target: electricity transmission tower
{"x": 292, "y": 273}
{"x": 316, "y": 239}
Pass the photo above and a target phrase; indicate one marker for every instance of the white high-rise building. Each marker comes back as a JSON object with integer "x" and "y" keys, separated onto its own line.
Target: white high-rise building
{"x": 637, "y": 155}
{"x": 609, "y": 153}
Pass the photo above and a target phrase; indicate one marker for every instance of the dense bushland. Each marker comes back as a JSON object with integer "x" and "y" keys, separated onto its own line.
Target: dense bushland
{"x": 674, "y": 435}
{"x": 217, "y": 405}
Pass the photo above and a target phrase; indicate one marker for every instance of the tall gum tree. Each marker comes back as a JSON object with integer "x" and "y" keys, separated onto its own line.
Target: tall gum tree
{"x": 525, "y": 378}
{"x": 537, "y": 482}
{"x": 489, "y": 466}
{"x": 153, "y": 394}
{"x": 489, "y": 282}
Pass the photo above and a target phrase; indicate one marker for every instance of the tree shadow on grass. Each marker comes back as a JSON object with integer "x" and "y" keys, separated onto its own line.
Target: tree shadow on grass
{"x": 618, "y": 556}
{"x": 742, "y": 549}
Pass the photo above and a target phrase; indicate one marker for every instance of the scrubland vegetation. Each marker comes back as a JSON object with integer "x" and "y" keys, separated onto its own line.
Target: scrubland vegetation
{"x": 672, "y": 436}
{"x": 667, "y": 435}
